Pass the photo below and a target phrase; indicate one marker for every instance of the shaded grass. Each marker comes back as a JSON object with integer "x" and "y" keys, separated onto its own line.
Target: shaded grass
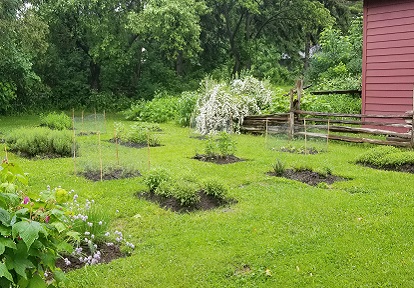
{"x": 359, "y": 233}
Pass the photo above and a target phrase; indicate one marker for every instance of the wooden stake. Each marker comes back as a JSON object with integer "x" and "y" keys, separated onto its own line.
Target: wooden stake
{"x": 116, "y": 145}
{"x": 412, "y": 125}
{"x": 5, "y": 150}
{"x": 306, "y": 139}
{"x": 299, "y": 89}
{"x": 327, "y": 137}
{"x": 74, "y": 141}
{"x": 266, "y": 133}
{"x": 149, "y": 155}
{"x": 100, "y": 154}
{"x": 291, "y": 128}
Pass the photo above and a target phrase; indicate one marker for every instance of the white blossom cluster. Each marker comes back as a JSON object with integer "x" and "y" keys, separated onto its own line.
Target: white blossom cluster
{"x": 223, "y": 107}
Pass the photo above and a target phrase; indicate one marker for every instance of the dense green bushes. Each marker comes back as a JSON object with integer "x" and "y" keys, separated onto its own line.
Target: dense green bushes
{"x": 56, "y": 121}
{"x": 41, "y": 141}
{"x": 386, "y": 157}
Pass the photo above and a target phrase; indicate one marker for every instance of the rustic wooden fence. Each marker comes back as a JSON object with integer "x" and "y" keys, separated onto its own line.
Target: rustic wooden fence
{"x": 393, "y": 130}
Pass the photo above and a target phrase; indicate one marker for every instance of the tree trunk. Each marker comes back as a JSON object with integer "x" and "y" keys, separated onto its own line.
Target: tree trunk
{"x": 95, "y": 73}
{"x": 180, "y": 63}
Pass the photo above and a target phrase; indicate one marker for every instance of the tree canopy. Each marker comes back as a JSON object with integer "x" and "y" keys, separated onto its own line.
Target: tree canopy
{"x": 84, "y": 53}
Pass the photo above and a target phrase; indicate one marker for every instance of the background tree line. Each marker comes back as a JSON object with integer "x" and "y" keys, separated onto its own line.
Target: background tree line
{"x": 60, "y": 54}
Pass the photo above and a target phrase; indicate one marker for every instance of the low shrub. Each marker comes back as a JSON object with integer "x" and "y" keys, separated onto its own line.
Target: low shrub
{"x": 161, "y": 109}
{"x": 155, "y": 177}
{"x": 222, "y": 145}
{"x": 375, "y": 156}
{"x": 185, "y": 192}
{"x": 398, "y": 159}
{"x": 41, "y": 141}
{"x": 186, "y": 108}
{"x": 216, "y": 189}
{"x": 58, "y": 121}
{"x": 138, "y": 133}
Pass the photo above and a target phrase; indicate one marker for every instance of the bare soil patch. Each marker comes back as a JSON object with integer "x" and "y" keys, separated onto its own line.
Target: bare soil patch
{"x": 113, "y": 174}
{"x": 309, "y": 177}
{"x": 218, "y": 159}
{"x": 207, "y": 202}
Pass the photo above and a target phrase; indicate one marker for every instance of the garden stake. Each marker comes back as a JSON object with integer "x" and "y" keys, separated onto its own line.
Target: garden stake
{"x": 82, "y": 121}
{"x": 327, "y": 137}
{"x": 100, "y": 154}
{"x": 266, "y": 132}
{"x": 149, "y": 156}
{"x": 5, "y": 150}
{"x": 304, "y": 125}
{"x": 74, "y": 141}
{"x": 116, "y": 145}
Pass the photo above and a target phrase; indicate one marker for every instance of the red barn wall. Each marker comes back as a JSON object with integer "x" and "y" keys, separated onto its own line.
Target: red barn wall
{"x": 388, "y": 58}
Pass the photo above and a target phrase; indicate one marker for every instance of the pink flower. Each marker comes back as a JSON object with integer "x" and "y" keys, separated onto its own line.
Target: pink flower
{"x": 47, "y": 218}
{"x": 26, "y": 200}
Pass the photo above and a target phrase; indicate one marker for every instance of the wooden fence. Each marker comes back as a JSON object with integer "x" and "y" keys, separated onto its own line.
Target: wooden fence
{"x": 393, "y": 130}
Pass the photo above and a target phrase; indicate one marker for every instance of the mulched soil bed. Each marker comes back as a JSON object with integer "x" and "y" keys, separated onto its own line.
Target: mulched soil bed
{"x": 110, "y": 175}
{"x": 132, "y": 144}
{"x": 309, "y": 177}
{"x": 108, "y": 253}
{"x": 218, "y": 159}
{"x": 207, "y": 202}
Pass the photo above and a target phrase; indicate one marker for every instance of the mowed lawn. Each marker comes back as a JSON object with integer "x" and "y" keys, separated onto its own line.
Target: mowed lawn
{"x": 280, "y": 233}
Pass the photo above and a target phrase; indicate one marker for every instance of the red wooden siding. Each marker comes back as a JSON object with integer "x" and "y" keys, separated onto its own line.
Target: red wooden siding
{"x": 388, "y": 58}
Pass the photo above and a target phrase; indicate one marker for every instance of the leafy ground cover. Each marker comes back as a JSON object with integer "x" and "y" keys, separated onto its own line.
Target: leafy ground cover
{"x": 280, "y": 233}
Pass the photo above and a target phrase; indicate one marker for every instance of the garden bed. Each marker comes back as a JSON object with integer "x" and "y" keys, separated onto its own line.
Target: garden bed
{"x": 134, "y": 144}
{"x": 113, "y": 174}
{"x": 217, "y": 159}
{"x": 308, "y": 177}
{"x": 207, "y": 202}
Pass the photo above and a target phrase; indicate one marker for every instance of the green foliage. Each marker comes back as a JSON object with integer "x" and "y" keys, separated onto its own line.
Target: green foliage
{"x": 40, "y": 141}
{"x": 338, "y": 65}
{"x": 33, "y": 232}
{"x": 386, "y": 157}
{"x": 161, "y": 109}
{"x": 138, "y": 133}
{"x": 279, "y": 167}
{"x": 215, "y": 188}
{"x": 58, "y": 121}
{"x": 375, "y": 156}
{"x": 186, "y": 108}
{"x": 185, "y": 192}
{"x": 155, "y": 178}
{"x": 222, "y": 145}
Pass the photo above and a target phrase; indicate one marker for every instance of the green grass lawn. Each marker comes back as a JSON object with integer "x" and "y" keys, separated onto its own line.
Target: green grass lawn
{"x": 281, "y": 233}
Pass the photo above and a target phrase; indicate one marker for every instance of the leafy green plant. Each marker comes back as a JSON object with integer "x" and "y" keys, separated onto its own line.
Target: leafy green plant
{"x": 222, "y": 145}
{"x": 155, "y": 177}
{"x": 40, "y": 141}
{"x": 279, "y": 167}
{"x": 58, "y": 121}
{"x": 161, "y": 109}
{"x": 185, "y": 192}
{"x": 186, "y": 108}
{"x": 33, "y": 232}
{"x": 215, "y": 188}
{"x": 139, "y": 133}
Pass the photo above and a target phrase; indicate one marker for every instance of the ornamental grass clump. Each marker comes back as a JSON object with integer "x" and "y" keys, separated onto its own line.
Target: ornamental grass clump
{"x": 41, "y": 141}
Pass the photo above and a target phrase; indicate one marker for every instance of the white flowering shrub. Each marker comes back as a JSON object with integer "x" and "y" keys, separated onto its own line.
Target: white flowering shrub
{"x": 222, "y": 107}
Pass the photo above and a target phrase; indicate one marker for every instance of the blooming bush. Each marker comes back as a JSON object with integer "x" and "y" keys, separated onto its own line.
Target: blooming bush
{"x": 222, "y": 107}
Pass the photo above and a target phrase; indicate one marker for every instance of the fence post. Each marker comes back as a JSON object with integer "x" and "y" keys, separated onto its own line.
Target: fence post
{"x": 299, "y": 89}
{"x": 412, "y": 124}
{"x": 291, "y": 128}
